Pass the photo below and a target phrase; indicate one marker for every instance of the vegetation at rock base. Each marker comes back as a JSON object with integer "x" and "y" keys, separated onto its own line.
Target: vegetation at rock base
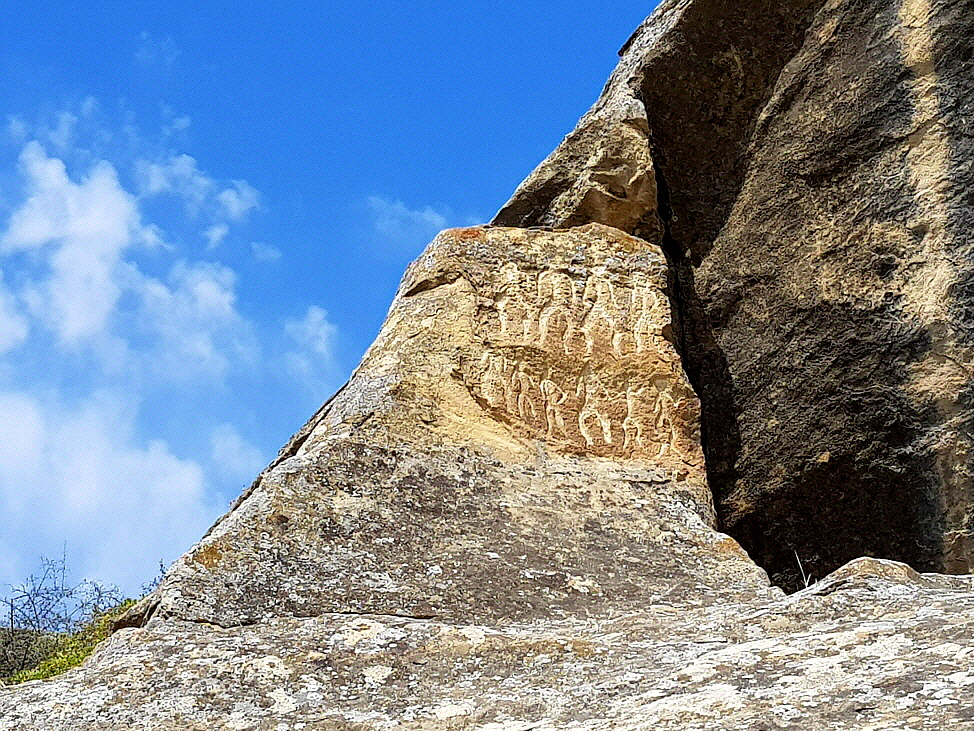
{"x": 49, "y": 626}
{"x": 71, "y": 650}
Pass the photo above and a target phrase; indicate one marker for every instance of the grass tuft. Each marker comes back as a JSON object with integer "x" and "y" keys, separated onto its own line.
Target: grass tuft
{"x": 71, "y": 650}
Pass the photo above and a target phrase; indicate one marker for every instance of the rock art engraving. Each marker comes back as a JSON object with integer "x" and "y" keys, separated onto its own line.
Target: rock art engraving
{"x": 574, "y": 354}
{"x": 554, "y": 399}
{"x": 510, "y": 303}
{"x": 650, "y": 312}
{"x": 632, "y": 425}
{"x": 556, "y": 320}
{"x": 594, "y": 420}
{"x": 603, "y": 322}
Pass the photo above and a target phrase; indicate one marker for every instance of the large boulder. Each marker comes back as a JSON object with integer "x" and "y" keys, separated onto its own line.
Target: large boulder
{"x": 504, "y": 451}
{"x": 813, "y": 164}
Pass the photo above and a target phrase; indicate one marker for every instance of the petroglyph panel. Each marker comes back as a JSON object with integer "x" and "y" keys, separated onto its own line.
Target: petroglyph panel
{"x": 573, "y": 349}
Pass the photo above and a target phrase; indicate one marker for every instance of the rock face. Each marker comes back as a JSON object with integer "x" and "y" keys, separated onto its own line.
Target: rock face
{"x": 502, "y": 452}
{"x": 814, "y": 171}
{"x": 851, "y": 652}
{"x": 506, "y": 520}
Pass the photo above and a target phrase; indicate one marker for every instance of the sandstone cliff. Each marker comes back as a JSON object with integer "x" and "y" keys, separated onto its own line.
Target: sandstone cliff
{"x": 813, "y": 168}
{"x": 509, "y": 518}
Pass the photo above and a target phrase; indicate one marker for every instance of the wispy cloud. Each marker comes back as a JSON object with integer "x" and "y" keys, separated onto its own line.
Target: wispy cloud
{"x": 232, "y": 455}
{"x": 179, "y": 176}
{"x": 175, "y": 174}
{"x": 238, "y": 200}
{"x": 16, "y": 128}
{"x": 189, "y": 325}
{"x": 395, "y": 220}
{"x": 90, "y": 337}
{"x": 311, "y": 357}
{"x": 215, "y": 234}
{"x": 265, "y": 252}
{"x": 152, "y": 50}
{"x": 400, "y": 230}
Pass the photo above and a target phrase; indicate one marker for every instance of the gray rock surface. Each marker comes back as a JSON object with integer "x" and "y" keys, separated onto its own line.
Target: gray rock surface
{"x": 814, "y": 166}
{"x": 875, "y": 646}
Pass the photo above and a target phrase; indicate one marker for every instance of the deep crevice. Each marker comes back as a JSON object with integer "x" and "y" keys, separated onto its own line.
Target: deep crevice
{"x": 828, "y": 471}
{"x": 703, "y": 362}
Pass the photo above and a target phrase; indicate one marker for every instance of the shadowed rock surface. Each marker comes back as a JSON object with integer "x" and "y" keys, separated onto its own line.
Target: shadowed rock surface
{"x": 504, "y": 521}
{"x": 814, "y": 171}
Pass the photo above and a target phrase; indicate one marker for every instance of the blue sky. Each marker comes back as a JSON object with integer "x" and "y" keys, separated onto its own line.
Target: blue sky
{"x": 205, "y": 209}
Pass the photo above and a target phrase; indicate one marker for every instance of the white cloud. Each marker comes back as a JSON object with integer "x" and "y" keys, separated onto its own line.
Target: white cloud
{"x": 76, "y": 466}
{"x": 14, "y": 325}
{"x": 395, "y": 220}
{"x": 78, "y": 476}
{"x": 83, "y": 229}
{"x": 177, "y": 174}
{"x": 215, "y": 234}
{"x": 16, "y": 128}
{"x": 61, "y": 136}
{"x": 239, "y": 200}
{"x": 115, "y": 336}
{"x": 233, "y": 456}
{"x": 193, "y": 319}
{"x": 312, "y": 361}
{"x": 265, "y": 252}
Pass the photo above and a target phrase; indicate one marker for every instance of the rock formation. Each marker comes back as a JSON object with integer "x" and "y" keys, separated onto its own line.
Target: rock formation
{"x": 813, "y": 166}
{"x": 508, "y": 519}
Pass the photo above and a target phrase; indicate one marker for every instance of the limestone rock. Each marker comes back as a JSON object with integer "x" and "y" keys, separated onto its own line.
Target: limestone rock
{"x": 875, "y": 646}
{"x": 814, "y": 167}
{"x": 505, "y": 450}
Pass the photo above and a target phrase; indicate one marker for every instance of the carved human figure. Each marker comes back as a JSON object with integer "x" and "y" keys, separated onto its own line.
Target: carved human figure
{"x": 595, "y": 399}
{"x": 558, "y": 301}
{"x": 525, "y": 389}
{"x": 632, "y": 425}
{"x": 602, "y": 324}
{"x": 512, "y": 307}
{"x": 666, "y": 416}
{"x": 553, "y": 397}
{"x": 495, "y": 383}
{"x": 647, "y": 309}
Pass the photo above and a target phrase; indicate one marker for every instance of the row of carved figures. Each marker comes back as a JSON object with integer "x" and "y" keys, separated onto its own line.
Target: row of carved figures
{"x": 646, "y": 418}
{"x": 555, "y": 311}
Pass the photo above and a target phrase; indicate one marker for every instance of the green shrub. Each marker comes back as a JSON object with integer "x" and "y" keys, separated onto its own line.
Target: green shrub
{"x": 24, "y": 648}
{"x": 48, "y": 625}
{"x": 70, "y": 650}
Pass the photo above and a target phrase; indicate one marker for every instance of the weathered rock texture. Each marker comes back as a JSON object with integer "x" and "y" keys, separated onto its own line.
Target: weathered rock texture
{"x": 814, "y": 173}
{"x": 852, "y": 652}
{"x": 503, "y": 452}
{"x": 503, "y": 521}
